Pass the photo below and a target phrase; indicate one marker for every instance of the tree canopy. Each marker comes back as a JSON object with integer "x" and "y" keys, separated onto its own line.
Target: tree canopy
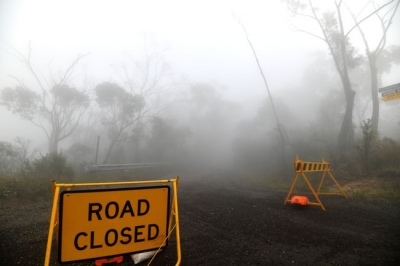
{"x": 120, "y": 110}
{"x": 50, "y": 103}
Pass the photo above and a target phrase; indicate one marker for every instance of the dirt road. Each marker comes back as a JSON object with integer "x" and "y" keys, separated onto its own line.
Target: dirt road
{"x": 223, "y": 223}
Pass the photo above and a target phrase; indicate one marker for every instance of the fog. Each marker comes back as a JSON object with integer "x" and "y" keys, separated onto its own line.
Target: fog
{"x": 204, "y": 99}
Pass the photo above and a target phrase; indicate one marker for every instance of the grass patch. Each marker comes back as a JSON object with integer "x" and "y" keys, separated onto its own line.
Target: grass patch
{"x": 38, "y": 187}
{"x": 367, "y": 187}
{"x": 30, "y": 188}
{"x": 373, "y": 187}
{"x": 389, "y": 172}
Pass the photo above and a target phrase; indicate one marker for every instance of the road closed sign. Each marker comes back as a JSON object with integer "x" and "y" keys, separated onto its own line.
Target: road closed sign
{"x": 101, "y": 223}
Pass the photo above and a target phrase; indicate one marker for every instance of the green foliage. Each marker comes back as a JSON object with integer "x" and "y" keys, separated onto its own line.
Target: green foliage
{"x": 7, "y": 186}
{"x": 56, "y": 109}
{"x": 53, "y": 165}
{"x": 120, "y": 105}
{"x": 79, "y": 155}
{"x": 388, "y": 58}
{"x": 387, "y": 155}
{"x": 29, "y": 187}
{"x": 21, "y": 101}
{"x": 360, "y": 193}
{"x": 364, "y": 149}
{"x": 68, "y": 96}
{"x": 389, "y": 172}
{"x": 37, "y": 182}
{"x": 167, "y": 141}
{"x": 8, "y": 158}
{"x": 120, "y": 110}
{"x": 379, "y": 157}
{"x": 61, "y": 107}
{"x": 384, "y": 188}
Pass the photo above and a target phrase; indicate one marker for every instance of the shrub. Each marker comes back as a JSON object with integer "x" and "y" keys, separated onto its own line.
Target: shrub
{"x": 364, "y": 149}
{"x": 389, "y": 172}
{"x": 79, "y": 155}
{"x": 35, "y": 182}
{"x": 53, "y": 165}
{"x": 7, "y": 187}
{"x": 8, "y": 158}
{"x": 387, "y": 154}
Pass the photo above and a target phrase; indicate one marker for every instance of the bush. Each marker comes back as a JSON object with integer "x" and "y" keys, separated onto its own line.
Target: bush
{"x": 7, "y": 187}
{"x": 54, "y": 166}
{"x": 8, "y": 158}
{"x": 35, "y": 183}
{"x": 389, "y": 172}
{"x": 365, "y": 148}
{"x": 79, "y": 155}
{"x": 387, "y": 154}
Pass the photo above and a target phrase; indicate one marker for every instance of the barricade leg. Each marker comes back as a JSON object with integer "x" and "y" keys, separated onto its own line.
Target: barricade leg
{"x": 314, "y": 193}
{"x": 337, "y": 184}
{"x": 322, "y": 181}
{"x": 291, "y": 188}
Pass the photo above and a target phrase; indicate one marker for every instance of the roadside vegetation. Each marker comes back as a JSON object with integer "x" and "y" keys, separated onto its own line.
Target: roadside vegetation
{"x": 372, "y": 170}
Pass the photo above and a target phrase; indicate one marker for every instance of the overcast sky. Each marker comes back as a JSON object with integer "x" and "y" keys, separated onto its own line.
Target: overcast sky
{"x": 203, "y": 40}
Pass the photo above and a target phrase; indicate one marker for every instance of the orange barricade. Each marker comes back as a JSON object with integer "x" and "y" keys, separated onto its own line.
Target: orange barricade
{"x": 301, "y": 168}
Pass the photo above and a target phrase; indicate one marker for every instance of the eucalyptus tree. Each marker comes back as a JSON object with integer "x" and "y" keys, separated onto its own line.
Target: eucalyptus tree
{"x": 167, "y": 141}
{"x": 8, "y": 158}
{"x": 49, "y": 103}
{"x": 120, "y": 111}
{"x": 334, "y": 31}
{"x": 148, "y": 81}
{"x": 376, "y": 52}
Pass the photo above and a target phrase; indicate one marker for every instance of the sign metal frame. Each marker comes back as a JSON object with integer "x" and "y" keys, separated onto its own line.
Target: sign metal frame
{"x": 73, "y": 216}
{"x": 172, "y": 216}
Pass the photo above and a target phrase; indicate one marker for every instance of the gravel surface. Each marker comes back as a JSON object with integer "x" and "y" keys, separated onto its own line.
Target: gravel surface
{"x": 224, "y": 223}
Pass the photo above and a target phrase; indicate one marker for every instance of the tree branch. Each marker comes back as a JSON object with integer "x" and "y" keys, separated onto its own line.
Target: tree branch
{"x": 70, "y": 68}
{"x": 365, "y": 18}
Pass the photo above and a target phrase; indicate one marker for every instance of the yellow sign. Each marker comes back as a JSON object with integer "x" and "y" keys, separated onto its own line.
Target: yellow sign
{"x": 300, "y": 166}
{"x": 102, "y": 223}
{"x": 390, "y": 97}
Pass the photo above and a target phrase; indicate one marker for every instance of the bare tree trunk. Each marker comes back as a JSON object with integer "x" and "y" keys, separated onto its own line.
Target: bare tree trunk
{"x": 373, "y": 55}
{"x": 346, "y": 135}
{"x": 54, "y": 139}
{"x": 109, "y": 151}
{"x": 374, "y": 93}
{"x": 283, "y": 138}
{"x": 111, "y": 147}
{"x": 52, "y": 143}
